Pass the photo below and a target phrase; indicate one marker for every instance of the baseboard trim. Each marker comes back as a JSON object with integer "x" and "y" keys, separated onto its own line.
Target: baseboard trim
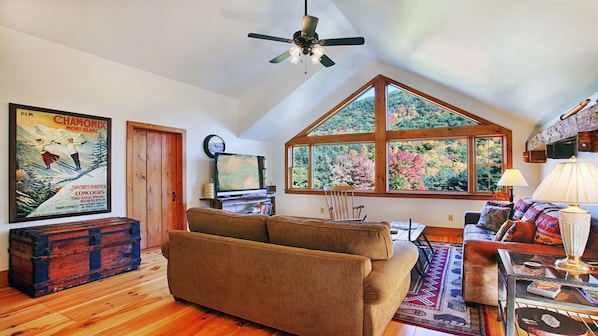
{"x": 443, "y": 231}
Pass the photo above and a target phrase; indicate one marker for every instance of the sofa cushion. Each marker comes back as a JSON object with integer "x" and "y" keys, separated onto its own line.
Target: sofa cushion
{"x": 370, "y": 240}
{"x": 228, "y": 224}
{"x": 492, "y": 217}
{"x": 548, "y": 229}
{"x": 473, "y": 232}
{"x": 521, "y": 206}
{"x": 520, "y": 232}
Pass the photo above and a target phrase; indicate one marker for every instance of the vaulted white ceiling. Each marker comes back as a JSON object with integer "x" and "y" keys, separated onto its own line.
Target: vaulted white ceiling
{"x": 536, "y": 58}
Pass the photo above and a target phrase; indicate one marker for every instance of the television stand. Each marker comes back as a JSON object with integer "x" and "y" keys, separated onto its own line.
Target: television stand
{"x": 258, "y": 204}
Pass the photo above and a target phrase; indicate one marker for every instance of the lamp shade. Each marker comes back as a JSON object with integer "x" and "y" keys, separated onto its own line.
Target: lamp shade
{"x": 512, "y": 177}
{"x": 570, "y": 182}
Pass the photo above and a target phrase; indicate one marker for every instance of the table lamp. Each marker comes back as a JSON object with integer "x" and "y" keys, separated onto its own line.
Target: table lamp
{"x": 512, "y": 178}
{"x": 573, "y": 183}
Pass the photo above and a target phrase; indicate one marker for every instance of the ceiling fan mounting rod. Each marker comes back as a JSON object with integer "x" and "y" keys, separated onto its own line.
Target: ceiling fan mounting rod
{"x": 305, "y": 7}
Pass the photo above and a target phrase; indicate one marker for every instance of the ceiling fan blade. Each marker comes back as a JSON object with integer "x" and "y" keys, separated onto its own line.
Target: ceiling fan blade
{"x": 269, "y": 38}
{"x": 326, "y": 61}
{"x": 281, "y": 57}
{"x": 309, "y": 25}
{"x": 342, "y": 41}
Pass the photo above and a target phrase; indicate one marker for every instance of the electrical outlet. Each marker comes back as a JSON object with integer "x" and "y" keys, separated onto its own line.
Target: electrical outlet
{"x": 321, "y": 210}
{"x": 450, "y": 218}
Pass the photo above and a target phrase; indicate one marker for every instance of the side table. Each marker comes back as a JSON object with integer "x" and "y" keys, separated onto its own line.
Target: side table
{"x": 514, "y": 276}
{"x": 414, "y": 232}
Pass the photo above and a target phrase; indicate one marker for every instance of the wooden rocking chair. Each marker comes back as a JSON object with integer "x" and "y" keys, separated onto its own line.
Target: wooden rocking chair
{"x": 341, "y": 204}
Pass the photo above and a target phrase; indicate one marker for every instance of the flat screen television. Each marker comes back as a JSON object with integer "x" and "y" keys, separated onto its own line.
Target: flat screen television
{"x": 239, "y": 174}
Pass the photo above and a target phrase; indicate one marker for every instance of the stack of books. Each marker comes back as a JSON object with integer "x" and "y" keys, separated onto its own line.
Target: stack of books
{"x": 544, "y": 288}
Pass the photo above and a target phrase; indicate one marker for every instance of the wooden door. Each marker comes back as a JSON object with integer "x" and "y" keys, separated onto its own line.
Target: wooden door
{"x": 155, "y": 180}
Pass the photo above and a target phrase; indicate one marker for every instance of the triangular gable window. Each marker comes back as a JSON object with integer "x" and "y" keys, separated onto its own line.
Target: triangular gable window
{"x": 355, "y": 117}
{"x": 406, "y": 111}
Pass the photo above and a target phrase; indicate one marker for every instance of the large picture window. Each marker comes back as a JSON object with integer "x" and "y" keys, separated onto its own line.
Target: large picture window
{"x": 388, "y": 138}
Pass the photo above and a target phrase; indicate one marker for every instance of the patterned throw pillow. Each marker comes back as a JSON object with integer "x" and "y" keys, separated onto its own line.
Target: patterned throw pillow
{"x": 521, "y": 207}
{"x": 492, "y": 217}
{"x": 521, "y": 232}
{"x": 547, "y": 228}
{"x": 500, "y": 204}
{"x": 503, "y": 229}
{"x": 537, "y": 209}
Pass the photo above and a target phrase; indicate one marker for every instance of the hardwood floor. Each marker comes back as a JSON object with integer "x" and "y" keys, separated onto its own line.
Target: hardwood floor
{"x": 135, "y": 303}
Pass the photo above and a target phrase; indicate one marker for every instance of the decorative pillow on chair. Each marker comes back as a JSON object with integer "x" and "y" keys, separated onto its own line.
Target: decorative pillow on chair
{"x": 492, "y": 217}
{"x": 548, "y": 229}
{"x": 520, "y": 232}
{"x": 521, "y": 207}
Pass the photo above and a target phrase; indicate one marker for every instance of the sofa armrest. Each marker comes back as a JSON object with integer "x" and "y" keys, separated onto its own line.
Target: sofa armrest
{"x": 388, "y": 275}
{"x": 471, "y": 217}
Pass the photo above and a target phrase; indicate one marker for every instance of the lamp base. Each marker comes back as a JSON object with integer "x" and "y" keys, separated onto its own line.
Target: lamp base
{"x": 572, "y": 264}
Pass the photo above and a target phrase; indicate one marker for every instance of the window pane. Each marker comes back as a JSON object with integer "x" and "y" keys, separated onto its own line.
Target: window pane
{"x": 489, "y": 158}
{"x": 408, "y": 111}
{"x": 487, "y": 177}
{"x": 357, "y": 117}
{"x": 300, "y": 164}
{"x": 300, "y": 156}
{"x": 299, "y": 177}
{"x": 439, "y": 165}
{"x": 489, "y": 150}
{"x": 344, "y": 164}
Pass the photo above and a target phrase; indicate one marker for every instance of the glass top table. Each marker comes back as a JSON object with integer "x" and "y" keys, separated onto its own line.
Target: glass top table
{"x": 518, "y": 269}
{"x": 414, "y": 232}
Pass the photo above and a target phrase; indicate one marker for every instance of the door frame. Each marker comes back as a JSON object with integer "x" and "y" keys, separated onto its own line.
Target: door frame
{"x": 181, "y": 175}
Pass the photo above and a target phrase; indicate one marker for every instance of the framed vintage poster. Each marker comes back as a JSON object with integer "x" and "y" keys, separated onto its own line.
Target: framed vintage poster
{"x": 59, "y": 163}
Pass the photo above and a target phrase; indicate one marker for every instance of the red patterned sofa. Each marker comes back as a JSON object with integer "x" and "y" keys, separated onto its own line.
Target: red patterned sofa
{"x": 526, "y": 226}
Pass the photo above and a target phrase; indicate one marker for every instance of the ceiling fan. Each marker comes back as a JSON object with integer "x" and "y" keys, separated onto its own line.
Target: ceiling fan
{"x": 308, "y": 43}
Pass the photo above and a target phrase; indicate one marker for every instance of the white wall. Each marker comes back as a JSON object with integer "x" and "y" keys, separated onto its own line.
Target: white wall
{"x": 433, "y": 212}
{"x": 39, "y": 73}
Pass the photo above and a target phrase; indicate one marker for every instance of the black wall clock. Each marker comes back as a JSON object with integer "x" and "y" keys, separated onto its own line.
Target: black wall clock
{"x": 213, "y": 144}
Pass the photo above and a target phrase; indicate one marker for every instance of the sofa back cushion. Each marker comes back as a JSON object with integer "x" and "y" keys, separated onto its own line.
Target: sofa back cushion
{"x": 370, "y": 240}
{"x": 228, "y": 224}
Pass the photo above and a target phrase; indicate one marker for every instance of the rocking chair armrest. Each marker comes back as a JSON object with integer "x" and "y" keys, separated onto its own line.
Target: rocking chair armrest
{"x": 359, "y": 206}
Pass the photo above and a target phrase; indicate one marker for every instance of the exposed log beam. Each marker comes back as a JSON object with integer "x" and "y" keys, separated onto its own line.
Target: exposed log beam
{"x": 584, "y": 121}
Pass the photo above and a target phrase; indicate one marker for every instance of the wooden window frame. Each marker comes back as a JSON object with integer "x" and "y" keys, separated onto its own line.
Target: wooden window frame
{"x": 381, "y": 136}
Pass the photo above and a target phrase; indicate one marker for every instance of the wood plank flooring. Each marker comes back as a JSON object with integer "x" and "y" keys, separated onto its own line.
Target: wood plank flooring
{"x": 135, "y": 303}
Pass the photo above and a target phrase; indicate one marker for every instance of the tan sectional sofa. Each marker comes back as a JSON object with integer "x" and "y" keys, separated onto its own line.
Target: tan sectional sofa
{"x": 480, "y": 246}
{"x": 300, "y": 275}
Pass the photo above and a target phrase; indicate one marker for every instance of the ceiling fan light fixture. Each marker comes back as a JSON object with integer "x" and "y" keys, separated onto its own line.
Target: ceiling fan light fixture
{"x": 316, "y": 53}
{"x": 295, "y": 52}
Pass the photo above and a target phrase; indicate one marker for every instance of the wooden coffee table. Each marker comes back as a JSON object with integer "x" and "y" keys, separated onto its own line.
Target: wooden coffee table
{"x": 414, "y": 232}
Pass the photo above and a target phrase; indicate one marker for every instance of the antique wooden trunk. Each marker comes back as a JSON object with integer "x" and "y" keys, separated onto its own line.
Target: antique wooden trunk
{"x": 45, "y": 259}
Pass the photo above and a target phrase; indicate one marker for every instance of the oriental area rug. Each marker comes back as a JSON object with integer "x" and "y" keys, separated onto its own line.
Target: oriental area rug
{"x": 435, "y": 302}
